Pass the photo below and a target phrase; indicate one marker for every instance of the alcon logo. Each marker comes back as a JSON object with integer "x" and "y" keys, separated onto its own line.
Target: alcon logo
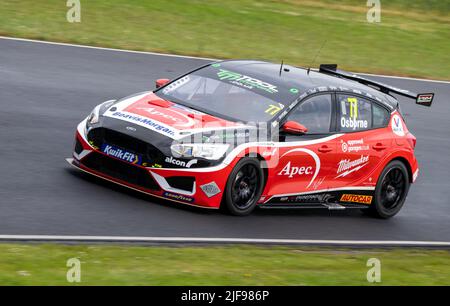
{"x": 177, "y": 162}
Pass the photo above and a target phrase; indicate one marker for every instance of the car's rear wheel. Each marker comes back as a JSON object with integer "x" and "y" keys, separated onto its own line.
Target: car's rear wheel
{"x": 244, "y": 187}
{"x": 391, "y": 191}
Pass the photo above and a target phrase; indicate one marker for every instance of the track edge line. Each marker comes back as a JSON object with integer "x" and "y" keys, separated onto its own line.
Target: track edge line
{"x": 205, "y": 240}
{"x": 189, "y": 57}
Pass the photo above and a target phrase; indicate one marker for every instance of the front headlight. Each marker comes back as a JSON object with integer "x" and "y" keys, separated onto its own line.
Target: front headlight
{"x": 207, "y": 151}
{"x": 94, "y": 116}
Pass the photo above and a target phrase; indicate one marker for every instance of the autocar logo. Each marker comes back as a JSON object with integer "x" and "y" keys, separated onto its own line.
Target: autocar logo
{"x": 354, "y": 198}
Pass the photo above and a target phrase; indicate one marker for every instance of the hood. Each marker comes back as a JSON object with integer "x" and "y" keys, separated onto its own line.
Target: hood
{"x": 148, "y": 126}
{"x": 170, "y": 119}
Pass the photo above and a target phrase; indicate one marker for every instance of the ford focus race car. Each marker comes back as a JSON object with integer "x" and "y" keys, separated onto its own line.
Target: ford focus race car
{"x": 241, "y": 134}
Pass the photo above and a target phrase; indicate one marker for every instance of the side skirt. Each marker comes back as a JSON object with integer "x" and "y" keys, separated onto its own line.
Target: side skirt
{"x": 329, "y": 206}
{"x": 331, "y": 200}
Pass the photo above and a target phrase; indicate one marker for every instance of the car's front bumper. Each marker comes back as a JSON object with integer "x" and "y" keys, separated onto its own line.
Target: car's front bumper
{"x": 197, "y": 186}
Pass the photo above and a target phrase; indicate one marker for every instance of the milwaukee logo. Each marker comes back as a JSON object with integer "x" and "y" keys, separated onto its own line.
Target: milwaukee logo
{"x": 346, "y": 166}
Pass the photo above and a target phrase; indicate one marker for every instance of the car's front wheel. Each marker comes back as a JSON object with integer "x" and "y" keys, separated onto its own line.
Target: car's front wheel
{"x": 244, "y": 187}
{"x": 391, "y": 191}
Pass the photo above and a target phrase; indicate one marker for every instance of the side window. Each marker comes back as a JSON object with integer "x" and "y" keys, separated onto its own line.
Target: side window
{"x": 314, "y": 114}
{"x": 355, "y": 114}
{"x": 380, "y": 116}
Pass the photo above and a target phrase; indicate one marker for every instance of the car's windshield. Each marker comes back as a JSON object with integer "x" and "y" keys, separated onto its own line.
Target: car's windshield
{"x": 230, "y": 94}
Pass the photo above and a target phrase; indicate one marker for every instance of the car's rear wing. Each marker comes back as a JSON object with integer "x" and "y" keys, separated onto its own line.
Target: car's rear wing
{"x": 424, "y": 99}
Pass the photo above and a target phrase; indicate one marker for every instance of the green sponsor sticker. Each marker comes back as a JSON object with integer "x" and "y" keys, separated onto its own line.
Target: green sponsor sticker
{"x": 246, "y": 81}
{"x": 294, "y": 90}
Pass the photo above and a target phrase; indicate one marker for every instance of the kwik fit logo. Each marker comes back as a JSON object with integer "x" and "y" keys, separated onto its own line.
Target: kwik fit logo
{"x": 121, "y": 154}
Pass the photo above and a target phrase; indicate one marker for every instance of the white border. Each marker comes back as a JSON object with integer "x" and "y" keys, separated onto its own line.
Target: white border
{"x": 190, "y": 57}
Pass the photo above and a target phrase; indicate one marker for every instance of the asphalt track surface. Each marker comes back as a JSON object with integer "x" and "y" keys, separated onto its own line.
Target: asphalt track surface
{"x": 45, "y": 90}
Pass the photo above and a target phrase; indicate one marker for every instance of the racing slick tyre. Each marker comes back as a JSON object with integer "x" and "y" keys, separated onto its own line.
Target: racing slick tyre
{"x": 391, "y": 191}
{"x": 244, "y": 187}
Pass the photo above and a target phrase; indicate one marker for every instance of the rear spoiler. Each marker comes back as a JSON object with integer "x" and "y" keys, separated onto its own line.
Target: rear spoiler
{"x": 424, "y": 99}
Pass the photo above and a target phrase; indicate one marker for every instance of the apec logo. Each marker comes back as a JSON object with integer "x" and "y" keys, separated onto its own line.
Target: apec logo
{"x": 169, "y": 116}
{"x": 121, "y": 154}
{"x": 311, "y": 170}
{"x": 292, "y": 171}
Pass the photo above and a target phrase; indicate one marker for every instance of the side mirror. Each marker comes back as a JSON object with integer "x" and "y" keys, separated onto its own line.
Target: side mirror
{"x": 293, "y": 127}
{"x": 161, "y": 82}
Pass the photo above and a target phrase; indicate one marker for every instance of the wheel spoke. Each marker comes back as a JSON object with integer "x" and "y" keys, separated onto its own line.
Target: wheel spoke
{"x": 245, "y": 186}
{"x": 393, "y": 188}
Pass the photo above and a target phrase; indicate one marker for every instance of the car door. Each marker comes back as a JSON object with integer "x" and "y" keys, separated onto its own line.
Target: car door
{"x": 365, "y": 141}
{"x": 306, "y": 161}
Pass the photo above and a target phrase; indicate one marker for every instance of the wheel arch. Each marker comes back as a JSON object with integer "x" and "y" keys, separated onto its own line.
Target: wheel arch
{"x": 262, "y": 160}
{"x": 407, "y": 165}
{"x": 256, "y": 159}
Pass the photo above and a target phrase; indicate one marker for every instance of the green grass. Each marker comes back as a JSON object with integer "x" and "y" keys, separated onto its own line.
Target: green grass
{"x": 39, "y": 264}
{"x": 412, "y": 39}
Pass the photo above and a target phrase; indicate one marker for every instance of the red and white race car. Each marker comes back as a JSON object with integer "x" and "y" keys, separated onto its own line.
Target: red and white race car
{"x": 241, "y": 134}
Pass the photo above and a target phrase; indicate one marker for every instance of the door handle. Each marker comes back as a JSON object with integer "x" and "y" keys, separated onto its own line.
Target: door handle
{"x": 379, "y": 147}
{"x": 325, "y": 149}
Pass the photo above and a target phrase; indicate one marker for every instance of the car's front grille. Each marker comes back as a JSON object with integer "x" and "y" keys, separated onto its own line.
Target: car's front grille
{"x": 149, "y": 152}
{"x": 120, "y": 170}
